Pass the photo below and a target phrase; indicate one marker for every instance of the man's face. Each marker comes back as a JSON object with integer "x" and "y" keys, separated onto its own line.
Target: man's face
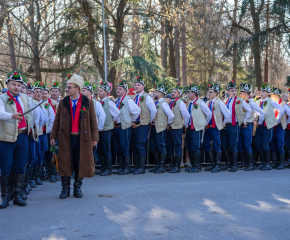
{"x": 288, "y": 97}
{"x": 285, "y": 98}
{"x": 211, "y": 94}
{"x": 175, "y": 94}
{"x": 55, "y": 93}
{"x": 37, "y": 94}
{"x": 264, "y": 94}
{"x": 23, "y": 89}
{"x": 14, "y": 87}
{"x": 71, "y": 89}
{"x": 191, "y": 95}
{"x": 121, "y": 91}
{"x": 233, "y": 92}
{"x": 44, "y": 95}
{"x": 102, "y": 93}
{"x": 244, "y": 95}
{"x": 139, "y": 88}
{"x": 87, "y": 93}
{"x": 30, "y": 94}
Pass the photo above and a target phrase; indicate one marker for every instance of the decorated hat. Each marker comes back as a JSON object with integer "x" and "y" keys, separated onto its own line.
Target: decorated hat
{"x": 24, "y": 79}
{"x": 245, "y": 87}
{"x": 266, "y": 87}
{"x": 30, "y": 87}
{"x": 231, "y": 85}
{"x": 276, "y": 91}
{"x": 194, "y": 88}
{"x": 105, "y": 86}
{"x": 124, "y": 84}
{"x": 214, "y": 86}
{"x": 75, "y": 79}
{"x": 14, "y": 76}
{"x": 161, "y": 88}
{"x": 89, "y": 86}
{"x": 178, "y": 88}
{"x": 55, "y": 85}
{"x": 139, "y": 80}
{"x": 45, "y": 87}
{"x": 38, "y": 85}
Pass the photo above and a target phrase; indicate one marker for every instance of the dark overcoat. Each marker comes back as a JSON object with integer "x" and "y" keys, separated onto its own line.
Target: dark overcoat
{"x": 88, "y": 130}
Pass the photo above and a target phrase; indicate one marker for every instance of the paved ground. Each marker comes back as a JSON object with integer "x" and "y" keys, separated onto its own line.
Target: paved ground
{"x": 242, "y": 205}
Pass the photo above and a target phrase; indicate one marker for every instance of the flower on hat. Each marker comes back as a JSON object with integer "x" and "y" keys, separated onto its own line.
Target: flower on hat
{"x": 232, "y": 81}
{"x": 209, "y": 85}
{"x": 137, "y": 77}
{"x": 178, "y": 84}
{"x": 101, "y": 82}
{"x": 155, "y": 86}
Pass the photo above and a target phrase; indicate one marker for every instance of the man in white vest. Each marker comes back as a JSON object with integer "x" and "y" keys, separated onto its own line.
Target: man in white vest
{"x": 265, "y": 131}
{"x": 164, "y": 117}
{"x": 14, "y": 133}
{"x": 141, "y": 126}
{"x": 240, "y": 113}
{"x": 42, "y": 144}
{"x": 213, "y": 129}
{"x": 278, "y": 142}
{"x": 129, "y": 113}
{"x": 200, "y": 116}
{"x": 174, "y": 134}
{"x": 104, "y": 148}
{"x": 246, "y": 131}
{"x": 50, "y": 171}
{"x": 55, "y": 92}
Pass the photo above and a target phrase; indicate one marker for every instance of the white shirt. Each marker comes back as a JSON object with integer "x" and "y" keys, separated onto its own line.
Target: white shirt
{"x": 35, "y": 113}
{"x": 225, "y": 111}
{"x": 166, "y": 109}
{"x": 278, "y": 107}
{"x": 150, "y": 104}
{"x": 287, "y": 109}
{"x": 43, "y": 116}
{"x": 204, "y": 108}
{"x": 258, "y": 111}
{"x": 133, "y": 108}
{"x": 51, "y": 117}
{"x": 115, "y": 112}
{"x": 101, "y": 115}
{"x": 245, "y": 106}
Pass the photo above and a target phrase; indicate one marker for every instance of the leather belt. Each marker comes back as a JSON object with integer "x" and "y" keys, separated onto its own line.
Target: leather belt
{"x": 137, "y": 124}
{"x": 228, "y": 124}
{"x": 279, "y": 125}
{"x": 75, "y": 134}
{"x": 22, "y": 131}
{"x": 117, "y": 125}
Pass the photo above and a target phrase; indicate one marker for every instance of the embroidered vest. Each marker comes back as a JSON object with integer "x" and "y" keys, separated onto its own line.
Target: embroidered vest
{"x": 178, "y": 120}
{"x": 252, "y": 117}
{"x": 145, "y": 112}
{"x": 125, "y": 114}
{"x": 217, "y": 113}
{"x": 198, "y": 117}
{"x": 161, "y": 119}
{"x": 270, "y": 118}
{"x": 109, "y": 125}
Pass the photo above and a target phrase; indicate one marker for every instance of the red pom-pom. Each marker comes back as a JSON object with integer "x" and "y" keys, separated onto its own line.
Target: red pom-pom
{"x": 101, "y": 82}
{"x": 15, "y": 73}
{"x": 178, "y": 84}
{"x": 209, "y": 85}
{"x": 120, "y": 80}
{"x": 10, "y": 99}
{"x": 154, "y": 85}
{"x": 232, "y": 81}
{"x": 55, "y": 83}
{"x": 264, "y": 82}
{"x": 28, "y": 84}
{"x": 84, "y": 109}
{"x": 137, "y": 77}
{"x": 68, "y": 75}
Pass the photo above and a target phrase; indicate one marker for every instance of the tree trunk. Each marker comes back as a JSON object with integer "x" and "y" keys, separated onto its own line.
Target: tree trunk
{"x": 11, "y": 44}
{"x": 184, "y": 55}
{"x": 171, "y": 52}
{"x": 135, "y": 33}
{"x": 235, "y": 50}
{"x": 177, "y": 52}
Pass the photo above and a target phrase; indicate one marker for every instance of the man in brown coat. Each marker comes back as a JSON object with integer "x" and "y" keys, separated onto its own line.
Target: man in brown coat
{"x": 75, "y": 128}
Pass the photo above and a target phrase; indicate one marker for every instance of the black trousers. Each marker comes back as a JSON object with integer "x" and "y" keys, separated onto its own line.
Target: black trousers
{"x": 75, "y": 151}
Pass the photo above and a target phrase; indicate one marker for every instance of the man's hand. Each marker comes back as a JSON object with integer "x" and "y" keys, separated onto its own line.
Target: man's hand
{"x": 94, "y": 143}
{"x": 133, "y": 125}
{"x": 17, "y": 116}
{"x": 168, "y": 127}
{"x": 224, "y": 126}
{"x": 245, "y": 125}
{"x": 100, "y": 130}
{"x": 52, "y": 142}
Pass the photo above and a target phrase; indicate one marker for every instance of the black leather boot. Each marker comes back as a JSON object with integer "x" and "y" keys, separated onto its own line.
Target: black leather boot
{"x": 241, "y": 159}
{"x": 121, "y": 164}
{"x": 288, "y": 159}
{"x": 108, "y": 170}
{"x": 170, "y": 165}
{"x": 103, "y": 166}
{"x": 262, "y": 161}
{"x": 136, "y": 163}
{"x": 30, "y": 178}
{"x": 23, "y": 190}
{"x": 274, "y": 160}
{"x": 25, "y": 184}
{"x": 53, "y": 174}
{"x": 4, "y": 191}
{"x": 161, "y": 168}
{"x": 58, "y": 178}
{"x": 45, "y": 170}
{"x": 77, "y": 186}
{"x": 127, "y": 166}
{"x": 235, "y": 160}
{"x": 281, "y": 161}
{"x": 65, "y": 183}
{"x": 251, "y": 162}
{"x": 156, "y": 162}
{"x": 38, "y": 176}
{"x": 11, "y": 186}
{"x": 267, "y": 161}
{"x": 197, "y": 163}
{"x": 255, "y": 159}
{"x": 217, "y": 167}
{"x": 33, "y": 178}
{"x": 192, "y": 162}
{"x": 141, "y": 169}
{"x": 227, "y": 160}
{"x": 17, "y": 200}
{"x": 209, "y": 156}
{"x": 176, "y": 168}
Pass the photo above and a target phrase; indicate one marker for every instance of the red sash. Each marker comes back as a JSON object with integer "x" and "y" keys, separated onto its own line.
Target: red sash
{"x": 233, "y": 111}
{"x": 172, "y": 103}
{"x": 53, "y": 107}
{"x": 212, "y": 120}
{"x": 121, "y": 101}
{"x": 22, "y": 122}
{"x": 192, "y": 125}
{"x": 75, "y": 120}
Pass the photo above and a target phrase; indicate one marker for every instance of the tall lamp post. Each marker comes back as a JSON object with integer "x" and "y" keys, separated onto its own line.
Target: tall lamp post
{"x": 105, "y": 48}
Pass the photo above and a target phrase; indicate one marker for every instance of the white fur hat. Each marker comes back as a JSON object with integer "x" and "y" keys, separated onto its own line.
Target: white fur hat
{"x": 77, "y": 80}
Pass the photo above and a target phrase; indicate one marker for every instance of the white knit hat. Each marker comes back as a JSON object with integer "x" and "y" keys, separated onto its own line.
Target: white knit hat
{"x": 77, "y": 80}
